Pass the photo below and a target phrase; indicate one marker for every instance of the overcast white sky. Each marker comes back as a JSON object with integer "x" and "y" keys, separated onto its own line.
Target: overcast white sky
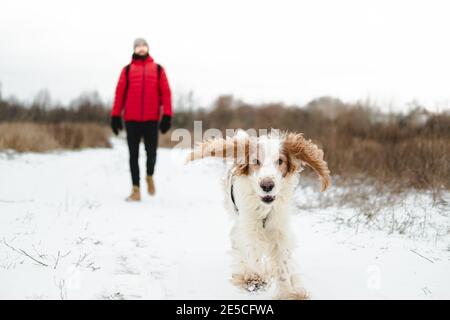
{"x": 291, "y": 51}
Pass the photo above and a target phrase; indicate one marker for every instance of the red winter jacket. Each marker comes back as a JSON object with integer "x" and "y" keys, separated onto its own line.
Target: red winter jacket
{"x": 142, "y": 98}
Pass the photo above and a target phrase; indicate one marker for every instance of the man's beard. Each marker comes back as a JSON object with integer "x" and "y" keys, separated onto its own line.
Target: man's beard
{"x": 140, "y": 55}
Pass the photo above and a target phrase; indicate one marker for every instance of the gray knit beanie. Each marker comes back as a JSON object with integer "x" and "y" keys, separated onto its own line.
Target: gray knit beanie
{"x": 140, "y": 42}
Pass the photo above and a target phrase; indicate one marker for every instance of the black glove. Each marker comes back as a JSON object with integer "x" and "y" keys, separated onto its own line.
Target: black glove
{"x": 165, "y": 123}
{"x": 116, "y": 124}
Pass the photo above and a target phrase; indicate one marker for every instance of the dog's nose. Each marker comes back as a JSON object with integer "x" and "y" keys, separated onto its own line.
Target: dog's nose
{"x": 267, "y": 184}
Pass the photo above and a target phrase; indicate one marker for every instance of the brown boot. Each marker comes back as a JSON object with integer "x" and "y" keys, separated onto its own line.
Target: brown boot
{"x": 135, "y": 194}
{"x": 150, "y": 185}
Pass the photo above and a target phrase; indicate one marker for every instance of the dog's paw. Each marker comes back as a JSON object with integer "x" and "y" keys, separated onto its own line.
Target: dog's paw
{"x": 299, "y": 294}
{"x": 250, "y": 281}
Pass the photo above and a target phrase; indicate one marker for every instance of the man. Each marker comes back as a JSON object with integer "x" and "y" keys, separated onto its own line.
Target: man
{"x": 141, "y": 91}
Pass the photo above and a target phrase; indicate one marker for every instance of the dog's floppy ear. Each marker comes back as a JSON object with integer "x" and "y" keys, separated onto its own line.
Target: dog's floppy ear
{"x": 308, "y": 153}
{"x": 216, "y": 147}
{"x": 235, "y": 148}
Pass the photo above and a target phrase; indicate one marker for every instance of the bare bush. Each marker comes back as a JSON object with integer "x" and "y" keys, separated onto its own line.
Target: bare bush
{"x": 403, "y": 151}
{"x": 33, "y": 137}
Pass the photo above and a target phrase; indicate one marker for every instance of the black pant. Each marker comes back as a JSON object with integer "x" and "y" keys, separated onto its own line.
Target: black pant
{"x": 135, "y": 132}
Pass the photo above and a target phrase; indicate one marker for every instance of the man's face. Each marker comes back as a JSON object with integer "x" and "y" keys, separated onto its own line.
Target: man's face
{"x": 141, "y": 50}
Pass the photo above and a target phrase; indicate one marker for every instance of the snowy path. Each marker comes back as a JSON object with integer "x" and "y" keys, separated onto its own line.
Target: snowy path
{"x": 66, "y": 210}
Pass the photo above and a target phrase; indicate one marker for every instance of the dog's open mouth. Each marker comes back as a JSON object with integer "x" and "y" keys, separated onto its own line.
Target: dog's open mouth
{"x": 268, "y": 199}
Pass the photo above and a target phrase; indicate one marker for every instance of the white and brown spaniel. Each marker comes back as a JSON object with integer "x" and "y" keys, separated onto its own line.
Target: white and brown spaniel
{"x": 259, "y": 192}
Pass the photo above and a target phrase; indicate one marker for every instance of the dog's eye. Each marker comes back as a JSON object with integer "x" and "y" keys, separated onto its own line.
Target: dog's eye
{"x": 280, "y": 162}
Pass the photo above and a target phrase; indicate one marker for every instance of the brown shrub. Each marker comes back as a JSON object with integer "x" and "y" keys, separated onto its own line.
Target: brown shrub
{"x": 33, "y": 137}
{"x": 402, "y": 151}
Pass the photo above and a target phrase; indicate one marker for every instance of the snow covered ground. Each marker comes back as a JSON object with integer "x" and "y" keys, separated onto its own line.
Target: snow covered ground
{"x": 65, "y": 232}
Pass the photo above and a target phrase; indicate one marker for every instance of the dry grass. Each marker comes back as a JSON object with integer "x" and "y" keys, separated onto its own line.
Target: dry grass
{"x": 402, "y": 151}
{"x": 418, "y": 162}
{"x": 33, "y": 137}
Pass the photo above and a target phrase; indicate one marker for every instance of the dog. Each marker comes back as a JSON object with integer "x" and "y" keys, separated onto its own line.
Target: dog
{"x": 259, "y": 189}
